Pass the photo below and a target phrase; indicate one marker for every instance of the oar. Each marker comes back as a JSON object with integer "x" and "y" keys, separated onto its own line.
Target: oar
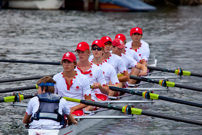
{"x": 125, "y": 109}
{"x": 176, "y": 71}
{"x": 130, "y": 110}
{"x": 15, "y": 98}
{"x": 18, "y": 89}
{"x": 165, "y": 83}
{"x": 24, "y": 78}
{"x": 32, "y": 62}
{"x": 149, "y": 95}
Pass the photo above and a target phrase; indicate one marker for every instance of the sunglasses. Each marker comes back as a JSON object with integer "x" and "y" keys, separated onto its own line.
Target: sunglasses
{"x": 136, "y": 34}
{"x": 108, "y": 43}
{"x": 99, "y": 49}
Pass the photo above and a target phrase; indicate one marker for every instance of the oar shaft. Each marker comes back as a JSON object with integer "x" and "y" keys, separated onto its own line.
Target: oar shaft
{"x": 136, "y": 111}
{"x": 32, "y": 62}
{"x": 158, "y": 115}
{"x": 23, "y": 78}
{"x": 17, "y": 89}
{"x": 168, "y": 84}
{"x": 180, "y": 101}
{"x": 186, "y": 73}
{"x": 155, "y": 96}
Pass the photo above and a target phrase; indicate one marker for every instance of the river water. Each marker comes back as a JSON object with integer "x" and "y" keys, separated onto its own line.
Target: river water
{"x": 174, "y": 35}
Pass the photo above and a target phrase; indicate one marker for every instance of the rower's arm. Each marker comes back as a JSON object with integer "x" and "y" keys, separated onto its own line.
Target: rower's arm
{"x": 81, "y": 106}
{"x": 26, "y": 119}
{"x": 104, "y": 89}
{"x": 125, "y": 77}
{"x": 143, "y": 62}
{"x": 143, "y": 68}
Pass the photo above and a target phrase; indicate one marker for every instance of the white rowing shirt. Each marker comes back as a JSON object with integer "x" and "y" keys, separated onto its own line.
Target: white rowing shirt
{"x": 78, "y": 88}
{"x": 132, "y": 53}
{"x": 33, "y": 107}
{"x": 94, "y": 74}
{"x": 116, "y": 61}
{"x": 129, "y": 62}
{"x": 109, "y": 72}
{"x": 143, "y": 50}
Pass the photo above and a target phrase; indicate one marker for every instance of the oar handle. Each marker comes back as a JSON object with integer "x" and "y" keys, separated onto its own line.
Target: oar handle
{"x": 32, "y": 62}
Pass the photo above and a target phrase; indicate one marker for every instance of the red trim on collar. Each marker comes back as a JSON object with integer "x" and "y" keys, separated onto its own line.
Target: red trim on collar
{"x": 85, "y": 72}
{"x": 71, "y": 81}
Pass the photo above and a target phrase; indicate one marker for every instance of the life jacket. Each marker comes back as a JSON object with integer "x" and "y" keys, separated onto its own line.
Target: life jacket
{"x": 48, "y": 108}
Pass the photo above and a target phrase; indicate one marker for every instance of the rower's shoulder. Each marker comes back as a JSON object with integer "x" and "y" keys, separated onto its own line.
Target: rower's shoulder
{"x": 144, "y": 43}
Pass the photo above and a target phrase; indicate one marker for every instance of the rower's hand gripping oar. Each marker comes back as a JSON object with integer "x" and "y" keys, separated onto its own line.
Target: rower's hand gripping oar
{"x": 149, "y": 95}
{"x": 178, "y": 71}
{"x": 165, "y": 83}
{"x": 130, "y": 110}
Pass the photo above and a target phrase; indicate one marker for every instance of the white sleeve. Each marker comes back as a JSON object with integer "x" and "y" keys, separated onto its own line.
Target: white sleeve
{"x": 113, "y": 76}
{"x": 29, "y": 108}
{"x": 136, "y": 56}
{"x": 121, "y": 67}
{"x": 101, "y": 78}
{"x": 65, "y": 107}
{"x": 86, "y": 86}
{"x": 133, "y": 63}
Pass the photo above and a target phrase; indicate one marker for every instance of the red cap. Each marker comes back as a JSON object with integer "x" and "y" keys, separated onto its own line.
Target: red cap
{"x": 135, "y": 30}
{"x": 82, "y": 46}
{"x": 118, "y": 43}
{"x": 98, "y": 42}
{"x": 121, "y": 36}
{"x": 69, "y": 56}
{"x": 106, "y": 39}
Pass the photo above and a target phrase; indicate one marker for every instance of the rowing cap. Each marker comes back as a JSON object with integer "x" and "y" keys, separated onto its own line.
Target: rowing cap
{"x": 106, "y": 39}
{"x": 118, "y": 43}
{"x": 135, "y": 30}
{"x": 82, "y": 46}
{"x": 121, "y": 36}
{"x": 99, "y": 43}
{"x": 69, "y": 56}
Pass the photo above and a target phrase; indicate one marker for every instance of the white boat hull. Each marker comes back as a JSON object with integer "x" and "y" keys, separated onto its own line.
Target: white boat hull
{"x": 36, "y": 4}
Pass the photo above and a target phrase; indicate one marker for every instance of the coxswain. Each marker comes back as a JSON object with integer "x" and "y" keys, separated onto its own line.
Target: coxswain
{"x": 47, "y": 110}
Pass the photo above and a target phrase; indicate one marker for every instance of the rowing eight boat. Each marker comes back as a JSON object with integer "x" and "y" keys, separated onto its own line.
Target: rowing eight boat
{"x": 86, "y": 123}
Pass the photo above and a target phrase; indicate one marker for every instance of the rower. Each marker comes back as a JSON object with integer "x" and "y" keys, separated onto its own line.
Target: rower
{"x": 47, "y": 110}
{"x": 130, "y": 52}
{"x": 110, "y": 75}
{"x": 90, "y": 70}
{"x": 70, "y": 83}
{"x": 130, "y": 63}
{"x": 139, "y": 46}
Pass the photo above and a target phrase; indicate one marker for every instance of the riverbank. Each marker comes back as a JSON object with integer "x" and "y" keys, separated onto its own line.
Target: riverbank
{"x": 174, "y": 2}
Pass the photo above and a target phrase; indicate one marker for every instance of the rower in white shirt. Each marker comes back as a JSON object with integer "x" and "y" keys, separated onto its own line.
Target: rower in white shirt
{"x": 132, "y": 53}
{"x": 91, "y": 71}
{"x": 116, "y": 61}
{"x": 73, "y": 84}
{"x": 130, "y": 63}
{"x": 138, "y": 45}
{"x": 108, "y": 70}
